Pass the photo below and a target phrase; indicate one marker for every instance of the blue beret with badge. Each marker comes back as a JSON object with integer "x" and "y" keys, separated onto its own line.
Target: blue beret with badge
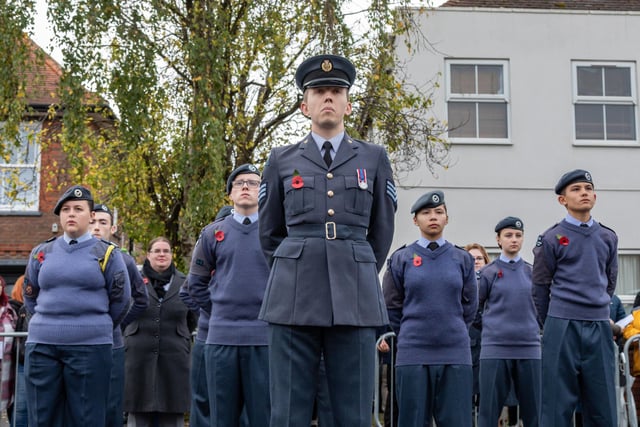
{"x": 577, "y": 175}
{"x": 75, "y": 192}
{"x": 102, "y": 208}
{"x": 245, "y": 168}
{"x": 428, "y": 200}
{"x": 510, "y": 222}
{"x": 325, "y": 71}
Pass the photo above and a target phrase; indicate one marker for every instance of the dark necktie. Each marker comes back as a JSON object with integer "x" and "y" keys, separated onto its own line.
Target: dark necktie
{"x": 246, "y": 220}
{"x": 584, "y": 225}
{"x": 433, "y": 246}
{"x": 511, "y": 261}
{"x": 73, "y": 241}
{"x": 327, "y": 152}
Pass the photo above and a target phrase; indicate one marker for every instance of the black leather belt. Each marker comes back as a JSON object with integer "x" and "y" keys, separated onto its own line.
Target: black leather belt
{"x": 329, "y": 231}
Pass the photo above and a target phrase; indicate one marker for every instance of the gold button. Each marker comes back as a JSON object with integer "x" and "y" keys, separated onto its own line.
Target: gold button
{"x": 330, "y": 193}
{"x": 329, "y": 175}
{"x": 331, "y": 212}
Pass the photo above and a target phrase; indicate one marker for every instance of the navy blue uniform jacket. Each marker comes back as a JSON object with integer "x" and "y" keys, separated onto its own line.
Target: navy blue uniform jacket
{"x": 316, "y": 281}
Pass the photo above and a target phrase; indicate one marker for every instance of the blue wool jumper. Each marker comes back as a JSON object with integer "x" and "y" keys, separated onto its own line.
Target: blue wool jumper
{"x": 510, "y": 327}
{"x": 73, "y": 301}
{"x": 434, "y": 301}
{"x": 575, "y": 271}
{"x": 233, "y": 295}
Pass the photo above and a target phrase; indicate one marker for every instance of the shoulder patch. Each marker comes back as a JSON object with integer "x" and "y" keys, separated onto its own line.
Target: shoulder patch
{"x": 262, "y": 193}
{"x": 391, "y": 192}
{"x": 539, "y": 240}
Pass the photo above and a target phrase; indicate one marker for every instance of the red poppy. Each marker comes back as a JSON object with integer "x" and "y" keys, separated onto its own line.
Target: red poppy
{"x": 219, "y": 235}
{"x": 417, "y": 261}
{"x": 145, "y": 280}
{"x": 40, "y": 257}
{"x": 563, "y": 240}
{"x": 297, "y": 182}
{"x": 500, "y": 274}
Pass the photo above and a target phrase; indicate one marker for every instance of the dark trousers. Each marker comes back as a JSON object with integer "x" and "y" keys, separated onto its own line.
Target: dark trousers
{"x": 578, "y": 365}
{"x": 439, "y": 391}
{"x": 116, "y": 389}
{"x": 199, "y": 413}
{"x": 237, "y": 377}
{"x": 67, "y": 385}
{"x": 496, "y": 377}
{"x": 294, "y": 357}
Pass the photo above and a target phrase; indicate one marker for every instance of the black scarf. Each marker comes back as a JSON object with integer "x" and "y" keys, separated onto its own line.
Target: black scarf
{"x": 156, "y": 278}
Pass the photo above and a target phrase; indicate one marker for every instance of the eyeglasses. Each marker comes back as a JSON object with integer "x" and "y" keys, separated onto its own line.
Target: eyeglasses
{"x": 251, "y": 183}
{"x": 160, "y": 251}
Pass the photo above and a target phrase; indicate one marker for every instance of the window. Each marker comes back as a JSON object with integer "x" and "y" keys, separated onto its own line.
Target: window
{"x": 19, "y": 181}
{"x": 604, "y": 97}
{"x": 477, "y": 100}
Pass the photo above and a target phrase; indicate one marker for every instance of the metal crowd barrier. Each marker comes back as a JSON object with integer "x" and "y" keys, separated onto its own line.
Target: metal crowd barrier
{"x": 18, "y": 336}
{"x": 390, "y": 384}
{"x": 625, "y": 360}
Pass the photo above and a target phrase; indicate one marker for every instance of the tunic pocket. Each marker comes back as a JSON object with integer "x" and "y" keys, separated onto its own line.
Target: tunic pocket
{"x": 301, "y": 199}
{"x": 357, "y": 200}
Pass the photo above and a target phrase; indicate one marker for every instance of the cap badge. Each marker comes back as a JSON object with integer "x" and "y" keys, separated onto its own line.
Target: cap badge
{"x": 435, "y": 198}
{"x": 518, "y": 224}
{"x": 587, "y": 176}
{"x": 77, "y": 192}
{"x": 326, "y": 66}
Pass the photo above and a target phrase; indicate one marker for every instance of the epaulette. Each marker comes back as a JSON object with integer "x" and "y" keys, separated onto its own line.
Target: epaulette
{"x": 50, "y": 240}
{"x": 109, "y": 242}
{"x": 604, "y": 226}
{"x": 400, "y": 248}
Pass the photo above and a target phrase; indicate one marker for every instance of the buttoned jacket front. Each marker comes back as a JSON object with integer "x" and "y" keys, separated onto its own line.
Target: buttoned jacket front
{"x": 316, "y": 280}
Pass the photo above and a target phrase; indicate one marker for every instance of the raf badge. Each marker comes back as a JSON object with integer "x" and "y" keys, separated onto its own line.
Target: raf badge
{"x": 362, "y": 179}
{"x": 326, "y": 66}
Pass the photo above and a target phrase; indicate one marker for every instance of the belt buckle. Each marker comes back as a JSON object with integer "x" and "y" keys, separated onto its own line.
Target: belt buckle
{"x": 330, "y": 230}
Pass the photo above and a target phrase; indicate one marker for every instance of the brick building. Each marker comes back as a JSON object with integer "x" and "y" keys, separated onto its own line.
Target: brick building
{"x": 28, "y": 219}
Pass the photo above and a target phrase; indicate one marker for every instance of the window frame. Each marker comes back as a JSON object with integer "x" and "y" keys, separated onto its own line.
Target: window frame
{"x": 504, "y": 98}
{"x": 34, "y": 129}
{"x": 577, "y": 99}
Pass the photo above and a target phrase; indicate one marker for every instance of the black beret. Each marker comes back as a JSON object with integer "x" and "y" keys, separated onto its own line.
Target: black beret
{"x": 102, "y": 208}
{"x": 510, "y": 222}
{"x": 75, "y": 192}
{"x": 428, "y": 200}
{"x": 224, "y": 211}
{"x": 578, "y": 175}
{"x": 246, "y": 168}
{"x": 324, "y": 71}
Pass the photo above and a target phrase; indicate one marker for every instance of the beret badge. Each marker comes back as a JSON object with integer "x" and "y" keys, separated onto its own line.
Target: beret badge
{"x": 435, "y": 198}
{"x": 77, "y": 192}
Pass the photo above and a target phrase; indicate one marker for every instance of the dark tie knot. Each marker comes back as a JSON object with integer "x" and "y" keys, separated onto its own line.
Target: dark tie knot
{"x": 433, "y": 246}
{"x": 327, "y": 152}
{"x": 73, "y": 241}
{"x": 246, "y": 221}
{"x": 584, "y": 225}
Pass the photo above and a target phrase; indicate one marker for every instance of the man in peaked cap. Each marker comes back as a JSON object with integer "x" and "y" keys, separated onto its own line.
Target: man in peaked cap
{"x": 327, "y": 206}
{"x": 575, "y": 269}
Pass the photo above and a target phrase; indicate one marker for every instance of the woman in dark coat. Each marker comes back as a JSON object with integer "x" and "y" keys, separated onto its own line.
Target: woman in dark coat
{"x": 158, "y": 345}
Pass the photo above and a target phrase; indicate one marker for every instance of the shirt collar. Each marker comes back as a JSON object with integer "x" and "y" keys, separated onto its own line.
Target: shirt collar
{"x": 239, "y": 218}
{"x": 335, "y": 140}
{"x": 424, "y": 242}
{"x": 83, "y": 238}
{"x": 506, "y": 259}
{"x": 572, "y": 220}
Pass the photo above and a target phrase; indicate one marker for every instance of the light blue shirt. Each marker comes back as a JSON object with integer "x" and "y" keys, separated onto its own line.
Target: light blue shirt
{"x": 335, "y": 143}
{"x": 572, "y": 220}
{"x": 253, "y": 217}
{"x": 80, "y": 239}
{"x": 424, "y": 242}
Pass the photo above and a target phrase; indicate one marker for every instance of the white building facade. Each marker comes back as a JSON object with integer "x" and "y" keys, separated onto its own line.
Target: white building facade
{"x": 528, "y": 94}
